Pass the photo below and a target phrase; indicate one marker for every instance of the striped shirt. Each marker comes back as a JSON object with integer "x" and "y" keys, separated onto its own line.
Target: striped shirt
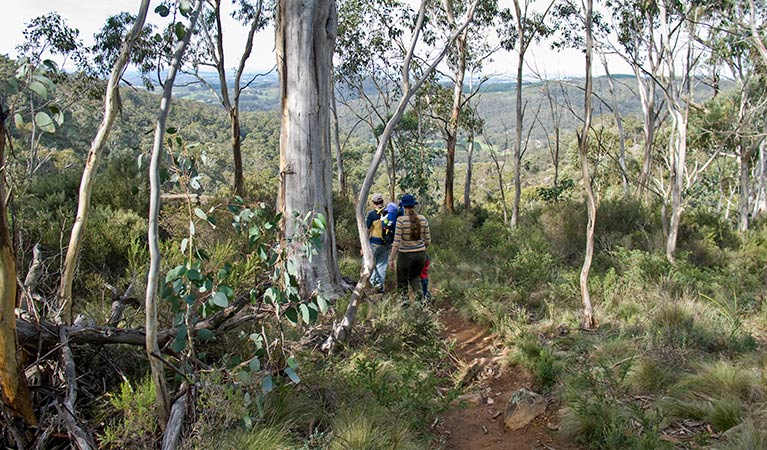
{"x": 403, "y": 241}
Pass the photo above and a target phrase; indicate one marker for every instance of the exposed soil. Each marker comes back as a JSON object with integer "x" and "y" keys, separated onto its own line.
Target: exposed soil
{"x": 475, "y": 422}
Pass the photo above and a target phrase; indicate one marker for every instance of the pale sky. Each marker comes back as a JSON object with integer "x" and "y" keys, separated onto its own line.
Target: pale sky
{"x": 89, "y": 15}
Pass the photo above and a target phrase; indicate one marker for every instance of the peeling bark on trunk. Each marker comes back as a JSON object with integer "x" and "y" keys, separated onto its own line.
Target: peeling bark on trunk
{"x": 111, "y": 106}
{"x": 306, "y": 36}
{"x": 153, "y": 278}
{"x": 13, "y": 384}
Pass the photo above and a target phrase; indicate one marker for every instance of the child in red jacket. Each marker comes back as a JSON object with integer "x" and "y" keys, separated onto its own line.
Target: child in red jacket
{"x": 425, "y": 279}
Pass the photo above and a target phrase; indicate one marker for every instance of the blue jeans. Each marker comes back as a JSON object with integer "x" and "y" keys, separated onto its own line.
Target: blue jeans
{"x": 381, "y": 258}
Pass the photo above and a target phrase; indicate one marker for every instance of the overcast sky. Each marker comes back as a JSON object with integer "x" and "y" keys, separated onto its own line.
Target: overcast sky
{"x": 89, "y": 15}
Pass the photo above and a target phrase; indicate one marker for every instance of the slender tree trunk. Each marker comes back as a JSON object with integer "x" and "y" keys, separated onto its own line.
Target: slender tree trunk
{"x": 341, "y": 175}
{"x": 760, "y": 205}
{"x": 755, "y": 34}
{"x": 518, "y": 140}
{"x": 679, "y": 153}
{"x": 306, "y": 36}
{"x": 619, "y": 124}
{"x": 239, "y": 180}
{"x": 647, "y": 97}
{"x": 583, "y": 144}
{"x": 111, "y": 106}
{"x": 393, "y": 184}
{"x": 459, "y": 72}
{"x": 469, "y": 167}
{"x": 556, "y": 156}
{"x": 153, "y": 278}
{"x": 449, "y": 202}
{"x": 745, "y": 189}
{"x": 13, "y": 384}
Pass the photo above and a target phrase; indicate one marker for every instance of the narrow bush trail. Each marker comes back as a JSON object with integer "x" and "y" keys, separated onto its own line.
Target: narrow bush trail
{"x": 476, "y": 419}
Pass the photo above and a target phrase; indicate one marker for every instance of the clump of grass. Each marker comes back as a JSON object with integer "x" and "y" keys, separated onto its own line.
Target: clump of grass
{"x": 538, "y": 359}
{"x": 721, "y": 394}
{"x": 648, "y": 375}
{"x": 366, "y": 428}
{"x": 266, "y": 438}
{"x": 749, "y": 435}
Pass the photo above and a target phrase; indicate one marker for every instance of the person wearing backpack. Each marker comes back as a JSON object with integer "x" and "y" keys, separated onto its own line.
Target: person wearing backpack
{"x": 411, "y": 238}
{"x": 376, "y": 237}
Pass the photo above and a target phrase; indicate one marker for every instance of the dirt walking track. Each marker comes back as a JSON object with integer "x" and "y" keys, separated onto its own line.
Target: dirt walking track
{"x": 476, "y": 422}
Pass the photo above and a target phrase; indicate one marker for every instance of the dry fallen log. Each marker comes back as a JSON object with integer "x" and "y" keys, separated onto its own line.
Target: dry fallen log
{"x": 47, "y": 335}
{"x": 66, "y": 409}
{"x": 173, "y": 430}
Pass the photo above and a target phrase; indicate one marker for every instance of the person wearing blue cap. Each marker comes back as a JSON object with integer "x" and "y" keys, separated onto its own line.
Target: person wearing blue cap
{"x": 411, "y": 238}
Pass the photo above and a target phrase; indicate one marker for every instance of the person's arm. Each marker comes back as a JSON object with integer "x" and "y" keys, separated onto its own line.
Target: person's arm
{"x": 426, "y": 233}
{"x": 396, "y": 243}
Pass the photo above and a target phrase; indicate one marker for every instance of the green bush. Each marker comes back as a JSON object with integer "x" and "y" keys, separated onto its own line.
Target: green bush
{"x": 132, "y": 420}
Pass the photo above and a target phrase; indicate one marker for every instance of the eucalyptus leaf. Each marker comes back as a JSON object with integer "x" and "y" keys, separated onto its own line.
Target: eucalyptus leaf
{"x": 18, "y": 120}
{"x": 39, "y": 89}
{"x": 205, "y": 335}
{"x": 292, "y": 375}
{"x": 305, "y": 313}
{"x": 219, "y": 299}
{"x": 200, "y": 213}
{"x": 266, "y": 384}
{"x": 44, "y": 121}
{"x": 292, "y": 315}
{"x": 162, "y": 10}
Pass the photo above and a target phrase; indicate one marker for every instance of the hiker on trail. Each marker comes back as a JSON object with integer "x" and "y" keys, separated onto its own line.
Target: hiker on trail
{"x": 425, "y": 279}
{"x": 380, "y": 230}
{"x": 411, "y": 238}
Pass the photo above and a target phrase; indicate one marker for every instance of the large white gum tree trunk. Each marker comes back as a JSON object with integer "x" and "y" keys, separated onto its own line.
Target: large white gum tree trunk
{"x": 306, "y": 38}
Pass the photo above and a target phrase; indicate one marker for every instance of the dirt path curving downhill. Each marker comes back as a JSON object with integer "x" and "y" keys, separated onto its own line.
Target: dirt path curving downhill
{"x": 476, "y": 421}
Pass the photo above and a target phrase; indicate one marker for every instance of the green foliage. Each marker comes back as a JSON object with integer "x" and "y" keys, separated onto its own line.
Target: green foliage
{"x": 599, "y": 415}
{"x": 132, "y": 420}
{"x": 538, "y": 359}
{"x": 560, "y": 192}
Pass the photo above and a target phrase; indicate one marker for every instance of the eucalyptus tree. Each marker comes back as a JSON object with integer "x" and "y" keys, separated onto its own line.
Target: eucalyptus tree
{"x": 468, "y": 52}
{"x": 306, "y": 38}
{"x": 111, "y": 107}
{"x": 635, "y": 23}
{"x": 730, "y": 46}
{"x": 36, "y": 108}
{"x": 209, "y": 52}
{"x": 676, "y": 50}
{"x": 183, "y": 34}
{"x": 523, "y": 26}
{"x": 588, "y": 321}
{"x": 13, "y": 384}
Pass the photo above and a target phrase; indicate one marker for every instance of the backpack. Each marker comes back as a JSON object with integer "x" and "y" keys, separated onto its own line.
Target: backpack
{"x": 387, "y": 228}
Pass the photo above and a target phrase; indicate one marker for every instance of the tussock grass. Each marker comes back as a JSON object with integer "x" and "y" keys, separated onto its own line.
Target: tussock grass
{"x": 367, "y": 428}
{"x": 720, "y": 393}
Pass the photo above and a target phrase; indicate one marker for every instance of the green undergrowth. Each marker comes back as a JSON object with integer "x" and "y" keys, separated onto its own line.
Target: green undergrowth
{"x": 677, "y": 343}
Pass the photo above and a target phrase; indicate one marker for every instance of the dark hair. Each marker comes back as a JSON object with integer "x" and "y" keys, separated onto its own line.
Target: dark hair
{"x": 415, "y": 224}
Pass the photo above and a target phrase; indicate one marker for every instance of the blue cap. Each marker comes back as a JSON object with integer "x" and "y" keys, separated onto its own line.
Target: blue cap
{"x": 408, "y": 201}
{"x": 391, "y": 207}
